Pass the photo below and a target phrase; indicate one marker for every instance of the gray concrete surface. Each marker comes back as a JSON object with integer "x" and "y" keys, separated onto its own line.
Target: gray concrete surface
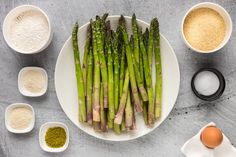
{"x": 188, "y": 115}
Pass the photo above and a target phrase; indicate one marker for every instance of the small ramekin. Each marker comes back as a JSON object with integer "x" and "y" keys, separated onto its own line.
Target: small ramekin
{"x": 42, "y": 133}
{"x": 225, "y": 16}
{"x": 219, "y": 91}
{"x": 7, "y": 123}
{"x": 14, "y": 13}
{"x": 26, "y": 92}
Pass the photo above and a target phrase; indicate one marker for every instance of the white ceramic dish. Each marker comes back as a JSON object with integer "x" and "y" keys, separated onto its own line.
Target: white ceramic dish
{"x": 21, "y": 87}
{"x": 225, "y": 16}
{"x": 66, "y": 86}
{"x": 42, "y": 133}
{"x": 7, "y": 122}
{"x": 12, "y": 15}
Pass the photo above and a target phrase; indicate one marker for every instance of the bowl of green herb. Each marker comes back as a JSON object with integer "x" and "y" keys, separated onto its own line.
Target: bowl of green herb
{"x": 54, "y": 137}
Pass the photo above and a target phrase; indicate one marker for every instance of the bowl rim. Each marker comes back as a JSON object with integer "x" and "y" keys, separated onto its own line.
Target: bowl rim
{"x": 4, "y": 26}
{"x": 41, "y": 138}
{"x": 202, "y": 5}
{"x": 15, "y": 131}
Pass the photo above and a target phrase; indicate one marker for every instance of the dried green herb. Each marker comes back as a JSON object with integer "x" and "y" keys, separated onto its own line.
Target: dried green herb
{"x": 55, "y": 137}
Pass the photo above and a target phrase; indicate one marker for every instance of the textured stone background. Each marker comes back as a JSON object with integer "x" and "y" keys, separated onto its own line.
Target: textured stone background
{"x": 188, "y": 115}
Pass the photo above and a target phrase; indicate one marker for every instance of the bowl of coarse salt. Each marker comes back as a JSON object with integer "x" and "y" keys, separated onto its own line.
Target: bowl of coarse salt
{"x": 206, "y": 27}
{"x": 27, "y": 29}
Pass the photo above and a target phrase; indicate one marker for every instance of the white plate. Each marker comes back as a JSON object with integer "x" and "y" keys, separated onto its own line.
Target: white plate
{"x": 66, "y": 87}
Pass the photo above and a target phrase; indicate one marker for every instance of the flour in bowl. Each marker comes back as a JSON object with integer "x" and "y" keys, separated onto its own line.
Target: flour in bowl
{"x": 29, "y": 31}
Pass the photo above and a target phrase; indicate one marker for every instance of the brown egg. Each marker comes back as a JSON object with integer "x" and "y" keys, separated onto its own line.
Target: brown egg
{"x": 211, "y": 137}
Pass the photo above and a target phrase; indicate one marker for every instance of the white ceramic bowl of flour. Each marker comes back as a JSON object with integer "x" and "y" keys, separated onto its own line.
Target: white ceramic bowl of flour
{"x": 27, "y": 29}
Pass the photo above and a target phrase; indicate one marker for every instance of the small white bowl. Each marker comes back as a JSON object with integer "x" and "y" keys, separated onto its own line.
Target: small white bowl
{"x": 7, "y": 122}
{"x": 21, "y": 87}
{"x": 12, "y": 15}
{"x": 222, "y": 12}
{"x": 42, "y": 133}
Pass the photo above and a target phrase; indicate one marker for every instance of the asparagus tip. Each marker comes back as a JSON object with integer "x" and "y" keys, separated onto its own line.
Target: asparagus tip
{"x": 97, "y": 17}
{"x": 133, "y": 16}
{"x": 122, "y": 20}
{"x": 104, "y": 17}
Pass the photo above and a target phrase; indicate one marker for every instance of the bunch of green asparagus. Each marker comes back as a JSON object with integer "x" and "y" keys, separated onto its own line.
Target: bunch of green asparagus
{"x": 115, "y": 78}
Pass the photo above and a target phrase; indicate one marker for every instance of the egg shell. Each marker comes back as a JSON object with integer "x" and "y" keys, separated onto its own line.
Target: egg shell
{"x": 211, "y": 137}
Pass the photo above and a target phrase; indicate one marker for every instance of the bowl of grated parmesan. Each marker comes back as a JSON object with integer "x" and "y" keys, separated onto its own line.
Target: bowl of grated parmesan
{"x": 27, "y": 29}
{"x": 206, "y": 27}
{"x": 32, "y": 81}
{"x": 19, "y": 118}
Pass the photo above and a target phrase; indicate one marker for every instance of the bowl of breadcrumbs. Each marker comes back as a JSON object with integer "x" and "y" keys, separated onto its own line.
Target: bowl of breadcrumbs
{"x": 206, "y": 27}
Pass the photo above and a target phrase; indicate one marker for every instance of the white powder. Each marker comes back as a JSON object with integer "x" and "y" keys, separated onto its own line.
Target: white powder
{"x": 34, "y": 81}
{"x": 206, "y": 83}
{"x": 29, "y": 31}
{"x": 20, "y": 118}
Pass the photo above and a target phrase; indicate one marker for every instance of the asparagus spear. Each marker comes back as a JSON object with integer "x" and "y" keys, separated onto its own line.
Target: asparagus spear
{"x": 138, "y": 76}
{"x": 130, "y": 65}
{"x": 110, "y": 122}
{"x": 102, "y": 60}
{"x": 111, "y": 107}
{"x": 122, "y": 70}
{"x": 122, "y": 77}
{"x": 103, "y": 32}
{"x": 116, "y": 70}
{"x": 145, "y": 38}
{"x": 141, "y": 67}
{"x": 104, "y": 16}
{"x": 136, "y": 39}
{"x": 119, "y": 114}
{"x": 133, "y": 127}
{"x": 79, "y": 75}
{"x": 89, "y": 86}
{"x": 121, "y": 57}
{"x": 150, "y": 46}
{"x": 132, "y": 49}
{"x": 117, "y": 128}
{"x": 116, "y": 77}
{"x": 148, "y": 79}
{"x": 145, "y": 112}
{"x": 144, "y": 104}
{"x": 103, "y": 26}
{"x": 158, "y": 69}
{"x": 96, "y": 87}
{"x": 107, "y": 31}
{"x": 97, "y": 126}
{"x": 123, "y": 127}
{"x": 85, "y": 62}
{"x": 102, "y": 110}
{"x": 128, "y": 112}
